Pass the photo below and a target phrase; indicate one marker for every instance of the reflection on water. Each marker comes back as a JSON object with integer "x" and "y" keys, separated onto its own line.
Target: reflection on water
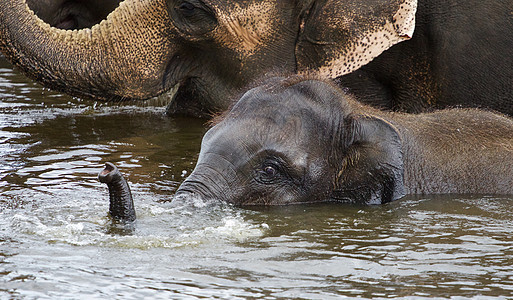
{"x": 57, "y": 242}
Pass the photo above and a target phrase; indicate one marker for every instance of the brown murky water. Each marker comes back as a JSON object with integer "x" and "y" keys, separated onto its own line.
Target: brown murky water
{"x": 56, "y": 241}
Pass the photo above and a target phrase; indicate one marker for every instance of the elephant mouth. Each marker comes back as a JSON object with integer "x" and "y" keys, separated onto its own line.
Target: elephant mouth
{"x": 188, "y": 88}
{"x": 187, "y": 99}
{"x": 67, "y": 22}
{"x": 181, "y": 91}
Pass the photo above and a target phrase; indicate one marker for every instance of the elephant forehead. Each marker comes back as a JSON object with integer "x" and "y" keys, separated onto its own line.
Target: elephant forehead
{"x": 246, "y": 28}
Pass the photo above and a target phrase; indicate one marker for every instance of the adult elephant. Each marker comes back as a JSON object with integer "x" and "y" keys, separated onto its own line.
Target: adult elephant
{"x": 460, "y": 53}
{"x": 72, "y": 14}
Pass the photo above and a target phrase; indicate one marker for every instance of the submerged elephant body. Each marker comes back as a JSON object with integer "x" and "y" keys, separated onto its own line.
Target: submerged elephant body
{"x": 296, "y": 141}
{"x": 459, "y": 52}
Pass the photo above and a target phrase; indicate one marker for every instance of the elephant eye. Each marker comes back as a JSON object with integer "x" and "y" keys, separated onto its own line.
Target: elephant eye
{"x": 187, "y": 8}
{"x": 192, "y": 17}
{"x": 270, "y": 171}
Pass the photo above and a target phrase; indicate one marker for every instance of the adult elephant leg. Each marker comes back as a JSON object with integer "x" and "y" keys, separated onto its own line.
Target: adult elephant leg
{"x": 121, "y": 207}
{"x": 123, "y": 57}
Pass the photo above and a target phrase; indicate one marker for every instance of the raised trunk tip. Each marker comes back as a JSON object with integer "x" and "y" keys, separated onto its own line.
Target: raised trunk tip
{"x": 121, "y": 204}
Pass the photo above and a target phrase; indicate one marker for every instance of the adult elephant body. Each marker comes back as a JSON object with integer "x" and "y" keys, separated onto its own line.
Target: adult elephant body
{"x": 460, "y": 53}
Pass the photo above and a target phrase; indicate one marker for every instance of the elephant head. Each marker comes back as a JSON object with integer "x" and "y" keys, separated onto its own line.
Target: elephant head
{"x": 296, "y": 141}
{"x": 207, "y": 49}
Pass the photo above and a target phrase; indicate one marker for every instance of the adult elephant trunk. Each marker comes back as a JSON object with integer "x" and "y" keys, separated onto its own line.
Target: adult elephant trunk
{"x": 114, "y": 60}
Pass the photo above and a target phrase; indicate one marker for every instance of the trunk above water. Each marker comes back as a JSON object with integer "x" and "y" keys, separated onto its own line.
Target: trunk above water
{"x": 121, "y": 207}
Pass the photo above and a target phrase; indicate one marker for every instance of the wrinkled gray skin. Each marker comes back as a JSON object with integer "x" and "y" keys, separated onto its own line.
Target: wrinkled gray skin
{"x": 121, "y": 204}
{"x": 72, "y": 14}
{"x": 296, "y": 141}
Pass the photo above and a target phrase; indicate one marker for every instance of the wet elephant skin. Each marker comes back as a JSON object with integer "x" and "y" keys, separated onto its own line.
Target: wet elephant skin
{"x": 300, "y": 140}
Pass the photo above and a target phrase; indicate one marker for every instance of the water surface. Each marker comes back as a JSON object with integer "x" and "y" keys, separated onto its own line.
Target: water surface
{"x": 56, "y": 241}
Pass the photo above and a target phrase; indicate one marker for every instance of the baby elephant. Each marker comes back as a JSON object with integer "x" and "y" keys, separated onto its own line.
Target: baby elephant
{"x": 300, "y": 140}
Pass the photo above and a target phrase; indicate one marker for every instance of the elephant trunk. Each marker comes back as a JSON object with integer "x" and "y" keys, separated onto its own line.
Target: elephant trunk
{"x": 110, "y": 61}
{"x": 204, "y": 187}
{"x": 121, "y": 206}
{"x": 193, "y": 188}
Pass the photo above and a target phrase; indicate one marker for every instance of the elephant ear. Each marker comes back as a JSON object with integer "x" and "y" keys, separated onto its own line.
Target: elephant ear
{"x": 372, "y": 169}
{"x": 339, "y": 36}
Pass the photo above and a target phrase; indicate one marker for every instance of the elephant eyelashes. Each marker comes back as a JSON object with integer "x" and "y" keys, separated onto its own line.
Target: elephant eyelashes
{"x": 187, "y": 9}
